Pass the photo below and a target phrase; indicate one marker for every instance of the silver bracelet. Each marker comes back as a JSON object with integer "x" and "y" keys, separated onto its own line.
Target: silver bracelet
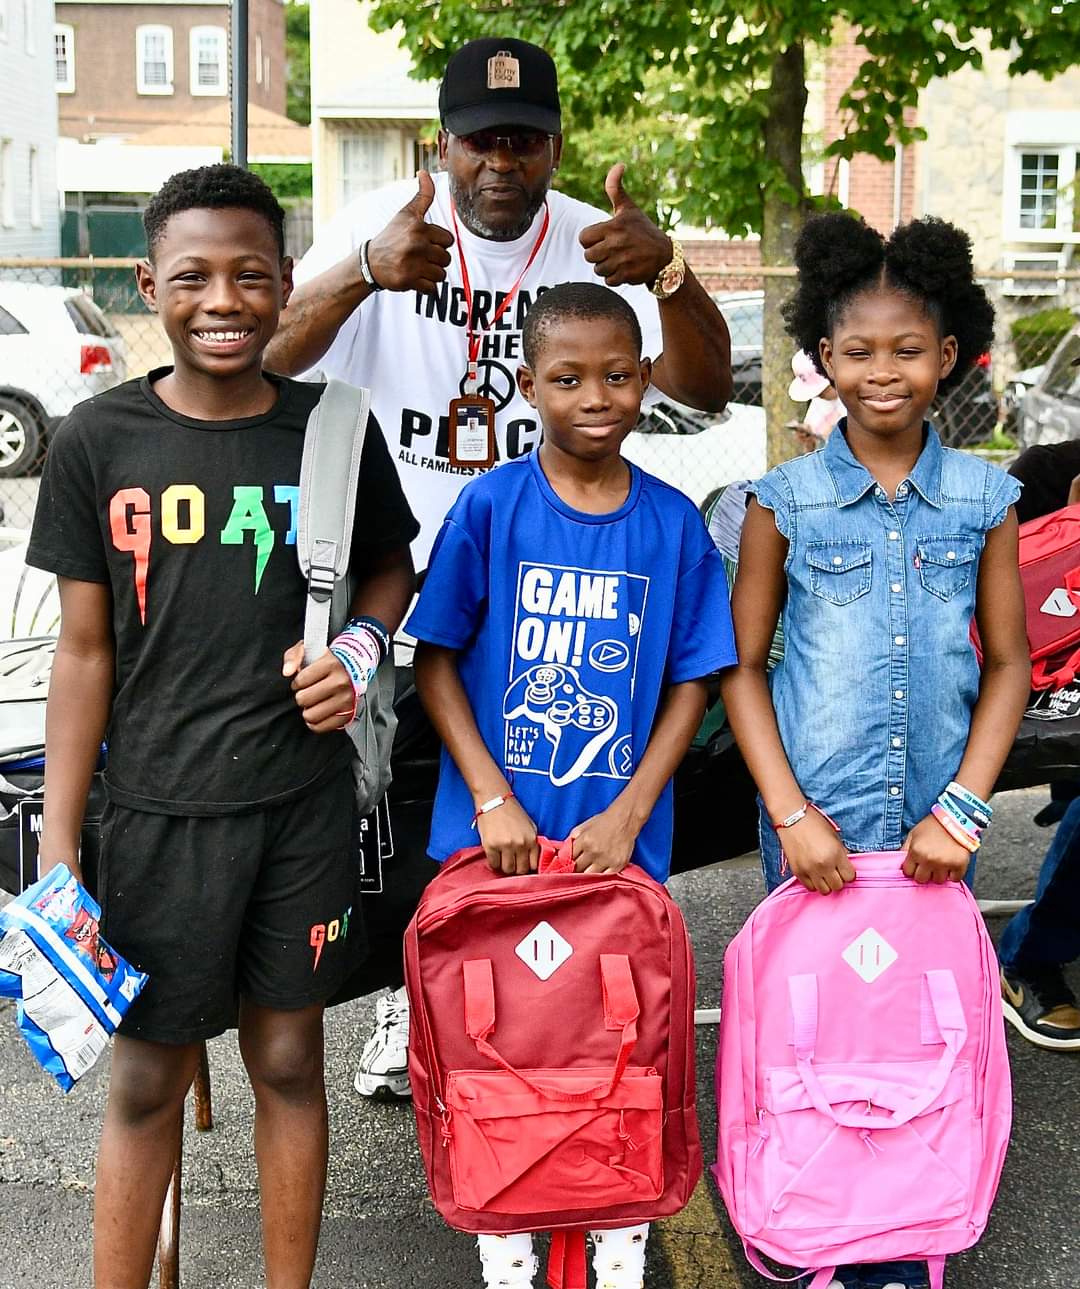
{"x": 365, "y": 267}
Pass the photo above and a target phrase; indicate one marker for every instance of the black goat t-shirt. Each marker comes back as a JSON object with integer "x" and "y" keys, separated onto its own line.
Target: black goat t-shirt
{"x": 193, "y": 526}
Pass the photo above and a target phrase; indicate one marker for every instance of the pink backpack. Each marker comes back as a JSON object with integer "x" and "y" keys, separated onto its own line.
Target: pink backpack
{"x": 863, "y": 1086}
{"x": 551, "y": 1051}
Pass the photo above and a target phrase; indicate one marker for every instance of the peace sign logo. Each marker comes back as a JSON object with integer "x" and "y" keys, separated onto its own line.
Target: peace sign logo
{"x": 494, "y": 381}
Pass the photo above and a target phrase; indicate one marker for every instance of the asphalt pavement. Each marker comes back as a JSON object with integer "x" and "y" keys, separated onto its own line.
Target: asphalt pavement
{"x": 380, "y": 1230}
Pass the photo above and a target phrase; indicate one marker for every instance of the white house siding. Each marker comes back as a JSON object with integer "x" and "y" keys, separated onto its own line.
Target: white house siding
{"x": 28, "y": 119}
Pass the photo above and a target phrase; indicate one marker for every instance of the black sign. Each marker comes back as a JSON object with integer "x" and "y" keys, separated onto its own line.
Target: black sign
{"x": 31, "y": 813}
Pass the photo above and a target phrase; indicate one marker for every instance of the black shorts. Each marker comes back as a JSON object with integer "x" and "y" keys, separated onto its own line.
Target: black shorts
{"x": 259, "y": 905}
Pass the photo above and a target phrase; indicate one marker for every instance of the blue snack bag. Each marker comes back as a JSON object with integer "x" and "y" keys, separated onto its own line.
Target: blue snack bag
{"x": 71, "y": 988}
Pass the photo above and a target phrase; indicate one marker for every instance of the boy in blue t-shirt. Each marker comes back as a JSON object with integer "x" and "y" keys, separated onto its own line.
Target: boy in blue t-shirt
{"x": 572, "y": 608}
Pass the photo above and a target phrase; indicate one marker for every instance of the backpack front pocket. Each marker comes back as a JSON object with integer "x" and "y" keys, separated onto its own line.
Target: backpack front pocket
{"x": 817, "y": 1173}
{"x": 513, "y": 1150}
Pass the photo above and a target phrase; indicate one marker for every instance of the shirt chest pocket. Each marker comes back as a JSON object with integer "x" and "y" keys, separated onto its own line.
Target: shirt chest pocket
{"x": 946, "y": 564}
{"x": 839, "y": 571}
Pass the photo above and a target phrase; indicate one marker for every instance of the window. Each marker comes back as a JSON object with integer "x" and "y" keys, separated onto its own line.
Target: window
{"x": 361, "y": 164}
{"x": 425, "y": 156}
{"x": 209, "y": 61}
{"x": 266, "y": 73}
{"x": 10, "y": 325}
{"x": 1039, "y": 189}
{"x": 87, "y": 317}
{"x": 29, "y": 31}
{"x": 7, "y": 183}
{"x": 64, "y": 52}
{"x": 35, "y": 188}
{"x": 1062, "y": 379}
{"x": 258, "y": 59}
{"x": 154, "y": 60}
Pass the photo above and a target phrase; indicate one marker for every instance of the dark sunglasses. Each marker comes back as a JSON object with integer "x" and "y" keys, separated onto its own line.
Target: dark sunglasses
{"x": 526, "y": 145}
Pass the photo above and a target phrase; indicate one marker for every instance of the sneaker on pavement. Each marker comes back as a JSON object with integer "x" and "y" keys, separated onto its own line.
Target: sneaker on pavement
{"x": 383, "y": 1071}
{"x": 1042, "y": 1007}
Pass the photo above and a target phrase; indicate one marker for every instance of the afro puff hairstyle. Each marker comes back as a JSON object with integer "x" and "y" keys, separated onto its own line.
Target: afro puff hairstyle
{"x": 220, "y": 187}
{"x": 587, "y": 301}
{"x": 839, "y": 257}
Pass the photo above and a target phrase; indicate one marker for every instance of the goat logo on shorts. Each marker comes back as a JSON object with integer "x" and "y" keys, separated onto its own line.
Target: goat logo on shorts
{"x": 326, "y": 933}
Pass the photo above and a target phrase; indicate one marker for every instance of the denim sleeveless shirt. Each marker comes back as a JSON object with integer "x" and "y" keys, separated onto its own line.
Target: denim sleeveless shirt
{"x": 874, "y": 694}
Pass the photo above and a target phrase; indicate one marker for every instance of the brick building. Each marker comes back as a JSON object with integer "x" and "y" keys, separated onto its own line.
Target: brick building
{"x": 126, "y": 66}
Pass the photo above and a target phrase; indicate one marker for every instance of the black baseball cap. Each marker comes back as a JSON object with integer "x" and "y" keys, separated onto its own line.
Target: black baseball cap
{"x": 500, "y": 81}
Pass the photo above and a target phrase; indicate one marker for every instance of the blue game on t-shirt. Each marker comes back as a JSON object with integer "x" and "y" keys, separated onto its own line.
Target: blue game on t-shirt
{"x": 569, "y": 626}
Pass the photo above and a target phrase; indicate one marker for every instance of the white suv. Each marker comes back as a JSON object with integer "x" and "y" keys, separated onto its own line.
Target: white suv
{"x": 56, "y": 349}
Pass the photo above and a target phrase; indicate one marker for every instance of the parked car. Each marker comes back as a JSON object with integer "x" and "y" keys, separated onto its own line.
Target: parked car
{"x": 699, "y": 452}
{"x": 1050, "y": 411}
{"x": 56, "y": 349}
{"x": 965, "y": 415}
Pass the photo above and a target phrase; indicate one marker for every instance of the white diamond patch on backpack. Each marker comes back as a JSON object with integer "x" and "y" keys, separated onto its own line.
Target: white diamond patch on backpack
{"x": 543, "y": 950}
{"x": 869, "y": 955}
{"x": 1059, "y": 604}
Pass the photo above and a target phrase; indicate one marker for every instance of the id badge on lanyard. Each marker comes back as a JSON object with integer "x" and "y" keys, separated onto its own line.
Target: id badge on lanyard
{"x": 472, "y": 416}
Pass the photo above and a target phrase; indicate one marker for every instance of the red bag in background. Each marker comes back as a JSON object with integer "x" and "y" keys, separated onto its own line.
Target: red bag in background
{"x": 551, "y": 1052}
{"x": 1050, "y": 574}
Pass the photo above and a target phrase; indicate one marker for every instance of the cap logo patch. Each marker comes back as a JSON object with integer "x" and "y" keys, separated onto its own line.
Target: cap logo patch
{"x": 504, "y": 71}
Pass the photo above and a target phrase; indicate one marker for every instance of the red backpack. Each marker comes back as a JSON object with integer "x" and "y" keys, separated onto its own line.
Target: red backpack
{"x": 551, "y": 1051}
{"x": 1050, "y": 574}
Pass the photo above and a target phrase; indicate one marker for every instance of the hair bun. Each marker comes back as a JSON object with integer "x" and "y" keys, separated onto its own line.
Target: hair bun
{"x": 932, "y": 255}
{"x": 836, "y": 249}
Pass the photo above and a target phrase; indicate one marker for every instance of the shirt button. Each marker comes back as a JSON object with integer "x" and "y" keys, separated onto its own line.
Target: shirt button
{"x": 896, "y": 588}
{"x": 950, "y": 554}
{"x": 894, "y": 791}
{"x": 902, "y": 490}
{"x": 898, "y": 640}
{"x": 894, "y": 536}
{"x": 879, "y": 493}
{"x": 836, "y": 559}
{"x": 898, "y": 742}
{"x": 898, "y": 694}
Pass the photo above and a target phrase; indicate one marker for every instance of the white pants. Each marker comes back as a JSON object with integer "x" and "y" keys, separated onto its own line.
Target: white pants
{"x": 508, "y": 1261}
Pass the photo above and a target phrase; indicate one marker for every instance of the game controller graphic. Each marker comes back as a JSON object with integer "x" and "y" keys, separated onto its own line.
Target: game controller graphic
{"x": 577, "y": 723}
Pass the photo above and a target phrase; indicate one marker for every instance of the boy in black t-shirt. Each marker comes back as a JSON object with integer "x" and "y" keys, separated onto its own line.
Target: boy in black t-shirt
{"x": 168, "y": 508}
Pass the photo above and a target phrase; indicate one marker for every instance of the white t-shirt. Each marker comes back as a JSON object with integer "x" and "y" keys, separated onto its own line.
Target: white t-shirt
{"x": 411, "y": 349}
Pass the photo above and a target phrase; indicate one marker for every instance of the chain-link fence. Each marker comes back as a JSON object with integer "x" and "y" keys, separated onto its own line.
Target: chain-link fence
{"x": 72, "y": 328}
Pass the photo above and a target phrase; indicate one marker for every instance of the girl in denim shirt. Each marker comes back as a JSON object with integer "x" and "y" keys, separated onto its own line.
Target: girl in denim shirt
{"x": 878, "y": 550}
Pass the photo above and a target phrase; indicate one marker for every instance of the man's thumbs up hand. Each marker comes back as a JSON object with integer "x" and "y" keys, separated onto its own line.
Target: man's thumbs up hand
{"x": 628, "y": 248}
{"x": 410, "y": 254}
{"x": 616, "y": 193}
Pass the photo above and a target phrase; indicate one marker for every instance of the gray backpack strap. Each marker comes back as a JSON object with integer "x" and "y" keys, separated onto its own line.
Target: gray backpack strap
{"x": 329, "y": 471}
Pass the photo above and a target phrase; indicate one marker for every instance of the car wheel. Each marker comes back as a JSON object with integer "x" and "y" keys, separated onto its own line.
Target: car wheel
{"x": 22, "y": 435}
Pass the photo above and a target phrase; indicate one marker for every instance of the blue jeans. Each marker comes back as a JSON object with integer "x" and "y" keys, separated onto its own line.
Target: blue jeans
{"x": 1047, "y": 933}
{"x": 913, "y": 1275}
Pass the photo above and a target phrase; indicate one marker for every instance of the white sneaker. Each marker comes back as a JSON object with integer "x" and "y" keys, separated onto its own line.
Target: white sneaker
{"x": 383, "y": 1071}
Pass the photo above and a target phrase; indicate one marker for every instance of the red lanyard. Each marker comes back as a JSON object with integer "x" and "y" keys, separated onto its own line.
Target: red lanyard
{"x": 474, "y": 337}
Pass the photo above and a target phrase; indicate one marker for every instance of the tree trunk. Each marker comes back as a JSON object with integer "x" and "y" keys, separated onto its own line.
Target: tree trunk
{"x": 781, "y": 223}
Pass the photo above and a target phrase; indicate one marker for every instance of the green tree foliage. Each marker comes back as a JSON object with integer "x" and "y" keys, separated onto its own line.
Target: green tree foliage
{"x": 731, "y": 117}
{"x": 287, "y": 181}
{"x": 298, "y": 62}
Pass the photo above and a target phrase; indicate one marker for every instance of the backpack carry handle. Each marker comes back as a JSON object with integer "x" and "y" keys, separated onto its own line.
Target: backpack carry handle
{"x": 621, "y": 1011}
{"x": 556, "y": 857}
{"x": 944, "y": 1013}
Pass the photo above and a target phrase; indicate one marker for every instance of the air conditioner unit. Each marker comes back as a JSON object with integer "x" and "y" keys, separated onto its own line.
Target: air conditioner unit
{"x": 1049, "y": 262}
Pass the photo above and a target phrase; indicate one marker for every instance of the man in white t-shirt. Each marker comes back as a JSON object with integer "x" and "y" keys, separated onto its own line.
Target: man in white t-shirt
{"x": 410, "y": 282}
{"x": 381, "y": 299}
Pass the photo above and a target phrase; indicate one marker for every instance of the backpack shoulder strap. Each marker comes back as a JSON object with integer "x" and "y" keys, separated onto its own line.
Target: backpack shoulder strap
{"x": 329, "y": 472}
